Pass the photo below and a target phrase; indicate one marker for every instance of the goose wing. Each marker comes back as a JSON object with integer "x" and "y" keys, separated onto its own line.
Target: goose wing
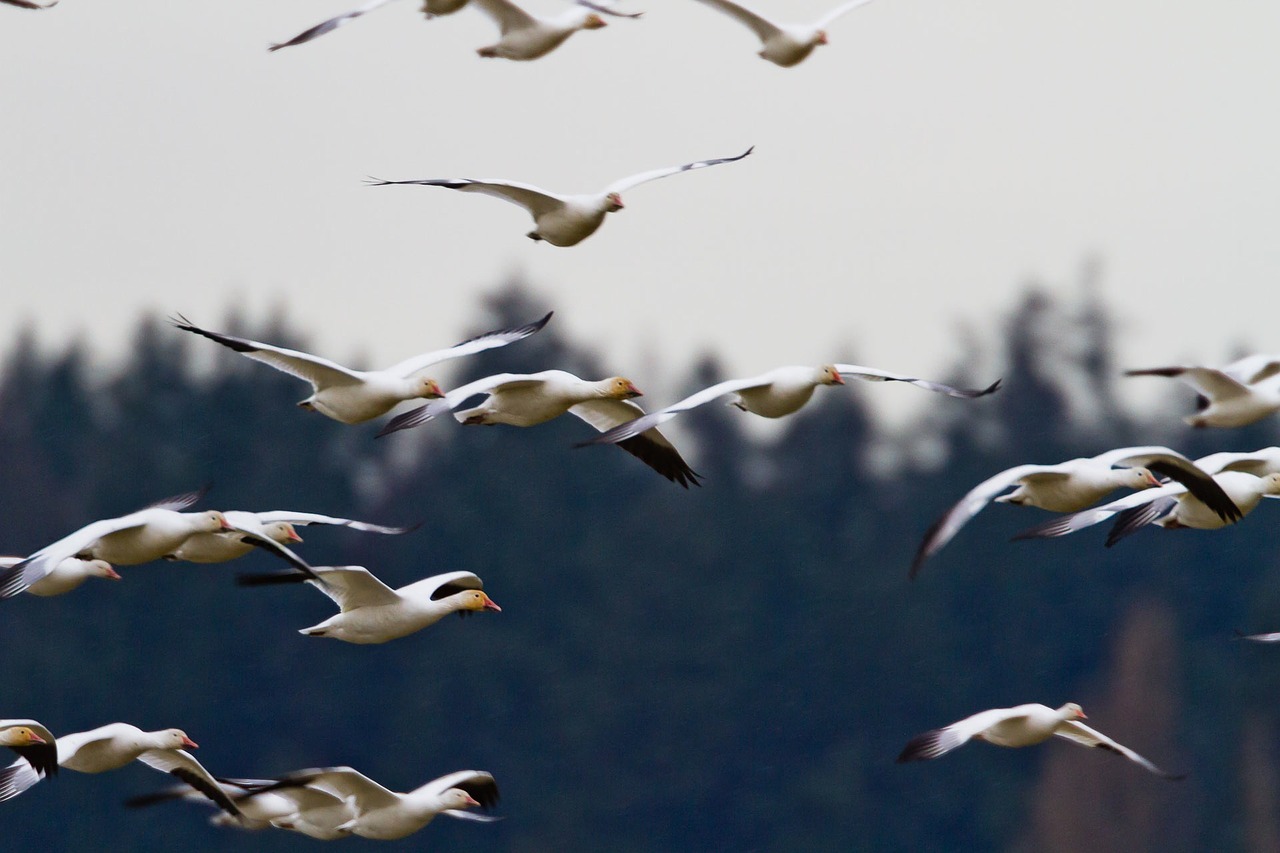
{"x": 1171, "y": 464}
{"x": 1082, "y": 734}
{"x": 1212, "y": 383}
{"x": 873, "y": 374}
{"x": 43, "y": 757}
{"x": 305, "y": 519}
{"x": 455, "y": 398}
{"x": 16, "y": 578}
{"x": 508, "y": 16}
{"x": 183, "y": 765}
{"x": 649, "y": 446}
{"x": 533, "y": 199}
{"x": 320, "y": 372}
{"x": 1072, "y": 522}
{"x": 624, "y": 184}
{"x": 479, "y": 343}
{"x": 643, "y": 423}
{"x": 938, "y": 742}
{"x": 761, "y": 26}
{"x": 331, "y": 24}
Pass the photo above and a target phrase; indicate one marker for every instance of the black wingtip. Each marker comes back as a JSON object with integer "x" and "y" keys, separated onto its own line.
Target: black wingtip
{"x": 919, "y": 748}
{"x": 272, "y": 578}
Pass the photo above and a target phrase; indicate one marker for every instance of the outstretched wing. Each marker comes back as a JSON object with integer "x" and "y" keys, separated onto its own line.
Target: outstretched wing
{"x": 341, "y": 782}
{"x": 1072, "y": 522}
{"x": 536, "y": 201}
{"x": 762, "y": 27}
{"x": 1170, "y": 463}
{"x": 625, "y": 184}
{"x": 487, "y": 340}
{"x": 304, "y": 519}
{"x": 649, "y": 446}
{"x": 16, "y": 778}
{"x": 839, "y": 11}
{"x": 508, "y": 16}
{"x": 320, "y": 372}
{"x": 183, "y": 764}
{"x": 938, "y": 742}
{"x": 1213, "y": 384}
{"x": 455, "y": 398}
{"x": 331, "y": 24}
{"x": 639, "y": 425}
{"x": 872, "y": 374}
{"x": 19, "y": 576}
{"x": 1082, "y": 734}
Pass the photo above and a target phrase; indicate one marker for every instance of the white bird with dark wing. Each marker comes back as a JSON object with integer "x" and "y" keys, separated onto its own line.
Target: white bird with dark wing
{"x": 561, "y": 220}
{"x": 775, "y": 394}
{"x": 1237, "y": 395}
{"x": 37, "y": 751}
{"x": 276, "y": 525}
{"x": 525, "y": 36}
{"x": 783, "y": 44}
{"x": 1171, "y": 506}
{"x": 298, "y": 808}
{"x": 372, "y": 612}
{"x": 1022, "y": 725}
{"x": 355, "y": 396}
{"x": 530, "y": 399}
{"x": 113, "y": 746}
{"x": 65, "y": 576}
{"x": 1075, "y": 484}
{"x": 386, "y": 815}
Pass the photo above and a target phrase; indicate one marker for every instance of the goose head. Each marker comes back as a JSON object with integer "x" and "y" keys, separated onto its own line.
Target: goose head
{"x": 619, "y": 388}
{"x": 281, "y": 532}
{"x": 456, "y": 798}
{"x": 474, "y": 599}
{"x": 1136, "y": 478}
{"x": 613, "y": 202}
{"x": 1072, "y": 711}
{"x": 100, "y": 569}
{"x": 593, "y": 22}
{"x": 1271, "y": 484}
{"x": 20, "y": 736}
{"x": 828, "y": 375}
{"x": 427, "y": 389}
{"x": 174, "y": 739}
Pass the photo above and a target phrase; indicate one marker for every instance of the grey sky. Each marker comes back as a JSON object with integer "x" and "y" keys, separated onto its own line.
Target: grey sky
{"x": 916, "y": 172}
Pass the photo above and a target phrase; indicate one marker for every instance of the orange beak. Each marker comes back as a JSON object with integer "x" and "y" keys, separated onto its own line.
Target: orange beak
{"x": 293, "y": 535}
{"x": 635, "y": 392}
{"x": 837, "y": 379}
{"x": 490, "y": 604}
{"x": 189, "y": 743}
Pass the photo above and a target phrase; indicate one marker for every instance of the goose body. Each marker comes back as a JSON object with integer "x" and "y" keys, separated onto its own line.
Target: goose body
{"x": 526, "y": 37}
{"x": 783, "y": 44}
{"x": 778, "y": 393}
{"x": 1022, "y": 725}
{"x": 529, "y": 399}
{"x": 1075, "y": 484}
{"x": 372, "y": 612}
{"x": 1237, "y": 395}
{"x": 561, "y": 220}
{"x": 66, "y": 575}
{"x": 355, "y": 396}
{"x": 387, "y": 815}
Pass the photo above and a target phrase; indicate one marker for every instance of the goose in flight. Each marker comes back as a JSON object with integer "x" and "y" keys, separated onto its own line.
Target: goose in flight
{"x": 524, "y": 36}
{"x": 298, "y": 808}
{"x": 372, "y": 612}
{"x": 386, "y": 815}
{"x": 1022, "y": 725}
{"x": 66, "y": 575}
{"x": 355, "y": 396}
{"x": 276, "y": 525}
{"x": 1237, "y": 395}
{"x": 775, "y": 394}
{"x": 561, "y": 220}
{"x": 430, "y": 9}
{"x": 37, "y": 751}
{"x": 783, "y": 44}
{"x": 113, "y": 746}
{"x": 530, "y": 399}
{"x": 1171, "y": 506}
{"x": 1075, "y": 484}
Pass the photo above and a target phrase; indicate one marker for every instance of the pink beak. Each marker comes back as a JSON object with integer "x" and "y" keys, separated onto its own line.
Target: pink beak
{"x": 472, "y": 801}
{"x": 189, "y": 743}
{"x": 112, "y": 574}
{"x": 490, "y": 604}
{"x": 35, "y": 738}
{"x": 226, "y": 525}
{"x": 294, "y": 537}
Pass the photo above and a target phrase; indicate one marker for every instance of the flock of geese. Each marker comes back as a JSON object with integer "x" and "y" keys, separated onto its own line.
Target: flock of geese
{"x": 1169, "y": 490}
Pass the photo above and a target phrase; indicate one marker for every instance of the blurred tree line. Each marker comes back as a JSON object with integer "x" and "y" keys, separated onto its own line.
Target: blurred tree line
{"x": 732, "y": 668}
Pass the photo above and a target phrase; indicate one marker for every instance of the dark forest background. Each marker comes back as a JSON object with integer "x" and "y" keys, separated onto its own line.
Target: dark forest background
{"x": 732, "y": 668}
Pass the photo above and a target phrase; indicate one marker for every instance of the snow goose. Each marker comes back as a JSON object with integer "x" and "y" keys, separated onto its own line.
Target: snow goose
{"x": 1171, "y": 506}
{"x": 776, "y": 394}
{"x": 309, "y": 811}
{"x": 430, "y": 9}
{"x": 65, "y": 576}
{"x": 387, "y": 815}
{"x": 1075, "y": 484}
{"x": 1237, "y": 395}
{"x": 529, "y": 399}
{"x": 355, "y": 396}
{"x": 1022, "y": 725}
{"x": 525, "y": 36}
{"x": 784, "y": 44}
{"x": 561, "y": 220}
{"x": 372, "y": 612}
{"x": 138, "y": 537}
{"x": 114, "y": 745}
{"x": 276, "y": 525}
{"x": 36, "y": 747}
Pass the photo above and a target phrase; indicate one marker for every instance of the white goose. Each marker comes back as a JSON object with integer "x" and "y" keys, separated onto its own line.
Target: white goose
{"x": 65, "y": 576}
{"x": 276, "y": 525}
{"x": 37, "y": 750}
{"x": 784, "y": 44}
{"x": 138, "y": 537}
{"x": 355, "y": 396}
{"x": 1022, "y": 725}
{"x": 561, "y": 220}
{"x": 530, "y": 399}
{"x": 386, "y": 815}
{"x": 775, "y": 394}
{"x": 1171, "y": 506}
{"x": 1237, "y": 395}
{"x": 430, "y": 9}
{"x": 114, "y": 745}
{"x": 525, "y": 36}
{"x": 1075, "y": 484}
{"x": 372, "y": 612}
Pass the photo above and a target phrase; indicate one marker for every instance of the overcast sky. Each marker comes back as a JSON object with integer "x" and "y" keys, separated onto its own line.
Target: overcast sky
{"x": 913, "y": 175}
